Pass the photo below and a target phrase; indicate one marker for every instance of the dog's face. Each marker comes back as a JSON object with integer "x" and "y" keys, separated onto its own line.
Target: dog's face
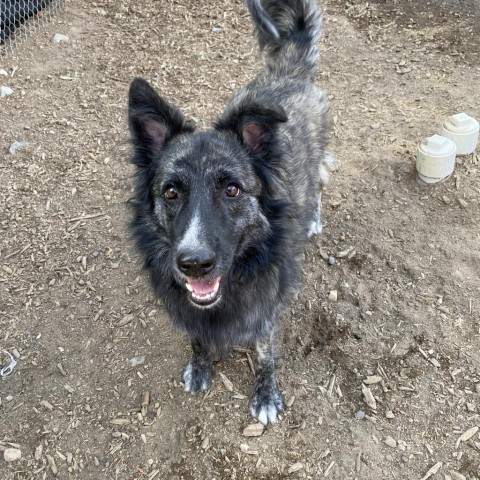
{"x": 204, "y": 189}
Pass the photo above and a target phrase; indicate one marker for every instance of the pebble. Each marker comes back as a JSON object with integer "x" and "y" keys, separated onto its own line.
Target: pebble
{"x": 9, "y": 398}
{"x": 12, "y": 454}
{"x": 16, "y": 145}
{"x": 5, "y": 91}
{"x": 390, "y": 441}
{"x": 136, "y": 361}
{"x": 3, "y": 72}
{"x": 477, "y": 387}
{"x": 360, "y": 415}
{"x": 331, "y": 260}
{"x": 333, "y": 296}
{"x": 389, "y": 414}
{"x": 58, "y": 37}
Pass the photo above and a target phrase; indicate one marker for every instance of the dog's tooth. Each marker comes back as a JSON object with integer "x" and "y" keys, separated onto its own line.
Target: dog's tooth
{"x": 189, "y": 287}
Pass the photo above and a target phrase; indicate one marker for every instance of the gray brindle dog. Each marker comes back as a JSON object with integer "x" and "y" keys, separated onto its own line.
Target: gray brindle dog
{"x": 222, "y": 217}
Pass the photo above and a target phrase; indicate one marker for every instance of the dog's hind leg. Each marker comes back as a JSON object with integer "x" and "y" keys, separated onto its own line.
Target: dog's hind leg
{"x": 197, "y": 375}
{"x": 267, "y": 402}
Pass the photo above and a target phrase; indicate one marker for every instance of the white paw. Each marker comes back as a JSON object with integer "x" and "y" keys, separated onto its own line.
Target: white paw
{"x": 196, "y": 379}
{"x": 315, "y": 229}
{"x": 266, "y": 405}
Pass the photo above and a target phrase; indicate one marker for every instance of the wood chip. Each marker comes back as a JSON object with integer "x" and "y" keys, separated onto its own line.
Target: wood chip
{"x": 329, "y": 468}
{"x": 344, "y": 253}
{"x": 368, "y": 396}
{"x": 465, "y": 436}
{"x": 295, "y": 467}
{"x": 253, "y": 430}
{"x": 52, "y": 464}
{"x": 47, "y": 405}
{"x": 125, "y": 320}
{"x": 39, "y": 452}
{"x": 435, "y": 362}
{"x": 226, "y": 382}
{"x": 120, "y": 421}
{"x": 372, "y": 379}
{"x": 433, "y": 470}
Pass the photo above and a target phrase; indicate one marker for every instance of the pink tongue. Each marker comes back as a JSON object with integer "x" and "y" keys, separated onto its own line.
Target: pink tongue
{"x": 203, "y": 287}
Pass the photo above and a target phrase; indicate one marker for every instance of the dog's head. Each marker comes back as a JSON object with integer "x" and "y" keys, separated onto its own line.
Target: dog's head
{"x": 202, "y": 195}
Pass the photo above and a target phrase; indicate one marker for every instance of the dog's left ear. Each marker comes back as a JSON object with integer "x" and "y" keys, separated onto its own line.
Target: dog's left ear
{"x": 253, "y": 124}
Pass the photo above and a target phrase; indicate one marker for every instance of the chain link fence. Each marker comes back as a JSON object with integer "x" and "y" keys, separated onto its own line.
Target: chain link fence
{"x": 18, "y": 18}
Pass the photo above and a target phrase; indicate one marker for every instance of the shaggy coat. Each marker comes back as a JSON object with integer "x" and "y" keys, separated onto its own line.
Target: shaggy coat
{"x": 222, "y": 217}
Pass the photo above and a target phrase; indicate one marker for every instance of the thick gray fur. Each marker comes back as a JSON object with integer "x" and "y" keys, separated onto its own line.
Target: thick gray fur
{"x": 270, "y": 141}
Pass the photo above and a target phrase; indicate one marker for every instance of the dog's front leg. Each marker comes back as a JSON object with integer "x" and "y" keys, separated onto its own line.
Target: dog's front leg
{"x": 197, "y": 375}
{"x": 267, "y": 401}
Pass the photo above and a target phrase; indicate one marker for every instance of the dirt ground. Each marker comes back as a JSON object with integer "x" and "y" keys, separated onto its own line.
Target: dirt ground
{"x": 77, "y": 312}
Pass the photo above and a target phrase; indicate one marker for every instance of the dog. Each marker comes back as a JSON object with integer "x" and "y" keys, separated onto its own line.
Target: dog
{"x": 221, "y": 217}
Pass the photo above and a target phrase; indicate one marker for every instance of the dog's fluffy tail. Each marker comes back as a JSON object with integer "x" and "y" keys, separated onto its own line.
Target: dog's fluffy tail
{"x": 288, "y": 31}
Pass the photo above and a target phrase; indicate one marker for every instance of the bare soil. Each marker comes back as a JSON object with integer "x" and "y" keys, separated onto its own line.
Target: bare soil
{"x": 75, "y": 308}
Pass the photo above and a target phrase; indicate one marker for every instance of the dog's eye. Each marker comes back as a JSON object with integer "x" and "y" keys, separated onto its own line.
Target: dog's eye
{"x": 171, "y": 193}
{"x": 232, "y": 190}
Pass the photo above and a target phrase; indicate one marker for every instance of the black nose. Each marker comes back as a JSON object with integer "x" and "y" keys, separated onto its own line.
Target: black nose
{"x": 196, "y": 263}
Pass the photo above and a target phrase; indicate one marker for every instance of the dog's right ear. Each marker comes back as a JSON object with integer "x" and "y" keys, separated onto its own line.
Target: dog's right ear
{"x": 153, "y": 121}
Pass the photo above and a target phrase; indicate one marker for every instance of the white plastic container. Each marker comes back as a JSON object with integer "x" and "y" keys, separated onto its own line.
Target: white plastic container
{"x": 463, "y": 130}
{"x": 435, "y": 159}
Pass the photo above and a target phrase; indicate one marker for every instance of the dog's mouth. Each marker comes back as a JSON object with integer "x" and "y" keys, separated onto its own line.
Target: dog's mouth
{"x": 203, "y": 292}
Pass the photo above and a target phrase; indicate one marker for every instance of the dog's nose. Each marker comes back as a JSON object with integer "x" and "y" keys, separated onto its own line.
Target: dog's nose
{"x": 196, "y": 263}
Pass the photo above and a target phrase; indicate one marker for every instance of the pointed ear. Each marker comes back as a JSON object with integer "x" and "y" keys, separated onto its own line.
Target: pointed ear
{"x": 152, "y": 120}
{"x": 253, "y": 124}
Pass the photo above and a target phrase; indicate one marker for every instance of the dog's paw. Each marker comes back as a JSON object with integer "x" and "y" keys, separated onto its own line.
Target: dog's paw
{"x": 266, "y": 405}
{"x": 196, "y": 378}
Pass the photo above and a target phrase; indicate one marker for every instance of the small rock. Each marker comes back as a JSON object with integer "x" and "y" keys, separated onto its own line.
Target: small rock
{"x": 253, "y": 430}
{"x": 12, "y": 454}
{"x": 477, "y": 387}
{"x": 390, "y": 441}
{"x": 244, "y": 447}
{"x": 16, "y": 145}
{"x": 5, "y": 91}
{"x": 462, "y": 202}
{"x": 58, "y": 37}
{"x": 446, "y": 200}
{"x": 135, "y": 361}
{"x": 9, "y": 398}
{"x": 360, "y": 415}
{"x": 389, "y": 414}
{"x": 331, "y": 260}
{"x": 333, "y": 296}
{"x": 3, "y": 72}
{"x": 457, "y": 476}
